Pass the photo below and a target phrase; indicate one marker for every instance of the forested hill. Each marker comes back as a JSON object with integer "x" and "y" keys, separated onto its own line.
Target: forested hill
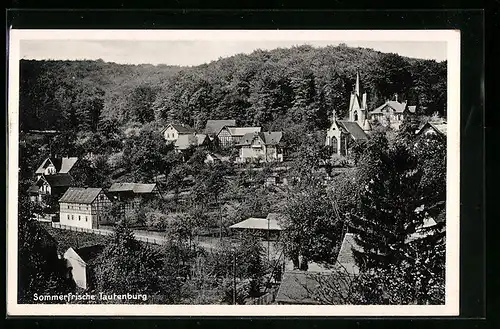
{"x": 278, "y": 88}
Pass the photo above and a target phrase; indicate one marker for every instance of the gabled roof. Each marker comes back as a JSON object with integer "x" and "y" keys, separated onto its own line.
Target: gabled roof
{"x": 57, "y": 180}
{"x": 395, "y": 105}
{"x": 181, "y": 129}
{"x": 268, "y": 138}
{"x": 439, "y": 127}
{"x": 345, "y": 258}
{"x": 253, "y": 223}
{"x": 62, "y": 165}
{"x": 354, "y": 129}
{"x": 214, "y": 126}
{"x": 132, "y": 187}
{"x": 80, "y": 195}
{"x": 241, "y": 131}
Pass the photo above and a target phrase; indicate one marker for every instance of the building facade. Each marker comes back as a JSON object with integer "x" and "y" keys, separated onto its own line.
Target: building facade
{"x": 261, "y": 147}
{"x": 84, "y": 207}
{"x": 172, "y": 132}
{"x": 231, "y": 136}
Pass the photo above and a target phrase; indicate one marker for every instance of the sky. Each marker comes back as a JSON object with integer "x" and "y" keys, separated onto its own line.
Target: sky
{"x": 196, "y": 52}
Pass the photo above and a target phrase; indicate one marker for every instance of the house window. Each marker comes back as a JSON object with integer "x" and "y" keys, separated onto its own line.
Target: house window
{"x": 86, "y": 219}
{"x": 78, "y": 217}
{"x": 68, "y": 216}
{"x": 355, "y": 116}
{"x": 72, "y": 217}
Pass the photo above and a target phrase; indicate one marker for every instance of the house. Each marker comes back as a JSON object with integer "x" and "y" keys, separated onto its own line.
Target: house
{"x": 133, "y": 191}
{"x": 186, "y": 141}
{"x": 229, "y": 136}
{"x": 261, "y": 147}
{"x": 53, "y": 184}
{"x": 55, "y": 165}
{"x": 80, "y": 264}
{"x": 268, "y": 227}
{"x": 172, "y": 132}
{"x": 213, "y": 127}
{"x": 433, "y": 128}
{"x": 391, "y": 113}
{"x": 84, "y": 207}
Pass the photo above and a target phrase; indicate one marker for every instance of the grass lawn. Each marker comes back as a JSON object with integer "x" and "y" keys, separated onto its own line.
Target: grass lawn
{"x": 67, "y": 238}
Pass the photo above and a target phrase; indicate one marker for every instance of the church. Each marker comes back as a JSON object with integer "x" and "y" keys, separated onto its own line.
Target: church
{"x": 342, "y": 133}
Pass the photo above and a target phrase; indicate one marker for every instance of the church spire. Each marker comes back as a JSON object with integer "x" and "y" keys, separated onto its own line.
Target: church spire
{"x": 356, "y": 88}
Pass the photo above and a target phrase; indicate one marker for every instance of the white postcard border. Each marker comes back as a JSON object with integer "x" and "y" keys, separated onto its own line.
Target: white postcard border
{"x": 451, "y": 307}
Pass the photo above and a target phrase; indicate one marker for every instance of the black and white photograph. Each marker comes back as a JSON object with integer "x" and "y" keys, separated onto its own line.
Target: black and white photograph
{"x": 233, "y": 172}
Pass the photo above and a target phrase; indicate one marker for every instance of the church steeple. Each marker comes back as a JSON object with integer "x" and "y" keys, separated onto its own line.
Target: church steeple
{"x": 356, "y": 88}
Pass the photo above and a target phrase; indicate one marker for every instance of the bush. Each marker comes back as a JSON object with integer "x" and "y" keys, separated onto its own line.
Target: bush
{"x": 156, "y": 221}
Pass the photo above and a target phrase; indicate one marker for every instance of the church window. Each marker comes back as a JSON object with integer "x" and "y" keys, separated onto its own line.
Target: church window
{"x": 334, "y": 144}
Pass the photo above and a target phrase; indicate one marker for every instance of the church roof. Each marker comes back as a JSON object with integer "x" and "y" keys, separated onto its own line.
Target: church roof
{"x": 354, "y": 129}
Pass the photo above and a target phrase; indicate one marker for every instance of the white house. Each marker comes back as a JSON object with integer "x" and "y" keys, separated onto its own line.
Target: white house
{"x": 172, "y": 132}
{"x": 262, "y": 147}
{"x": 83, "y": 207}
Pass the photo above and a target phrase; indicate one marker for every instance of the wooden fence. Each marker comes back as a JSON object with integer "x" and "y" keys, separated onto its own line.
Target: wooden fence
{"x": 106, "y": 232}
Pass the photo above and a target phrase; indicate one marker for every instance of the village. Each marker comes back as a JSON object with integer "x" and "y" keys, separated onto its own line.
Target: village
{"x": 257, "y": 167}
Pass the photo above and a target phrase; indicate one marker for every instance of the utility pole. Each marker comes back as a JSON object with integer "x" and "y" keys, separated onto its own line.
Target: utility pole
{"x": 268, "y": 240}
{"x": 234, "y": 276}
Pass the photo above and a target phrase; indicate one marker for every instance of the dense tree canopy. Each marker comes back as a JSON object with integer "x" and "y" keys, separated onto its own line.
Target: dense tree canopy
{"x": 303, "y": 84}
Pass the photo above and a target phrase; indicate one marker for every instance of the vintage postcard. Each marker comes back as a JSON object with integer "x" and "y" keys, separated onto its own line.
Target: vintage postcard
{"x": 233, "y": 172}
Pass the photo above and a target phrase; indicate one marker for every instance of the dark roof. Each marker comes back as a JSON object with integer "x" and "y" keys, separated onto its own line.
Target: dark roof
{"x": 181, "y": 128}
{"x": 268, "y": 137}
{"x": 80, "y": 195}
{"x": 304, "y": 287}
{"x": 90, "y": 253}
{"x": 59, "y": 180}
{"x": 132, "y": 187}
{"x": 214, "y": 126}
{"x": 354, "y": 129}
